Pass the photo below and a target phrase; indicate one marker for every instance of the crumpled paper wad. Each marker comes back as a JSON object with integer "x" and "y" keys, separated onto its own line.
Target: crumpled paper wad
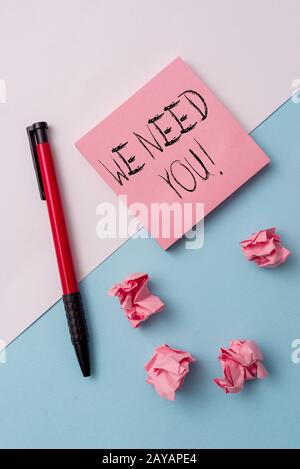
{"x": 167, "y": 370}
{"x": 136, "y": 299}
{"x": 241, "y": 362}
{"x": 265, "y": 248}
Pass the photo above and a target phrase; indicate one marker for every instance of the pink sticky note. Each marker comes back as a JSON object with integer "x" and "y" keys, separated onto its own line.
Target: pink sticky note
{"x": 241, "y": 362}
{"x": 167, "y": 370}
{"x": 136, "y": 299}
{"x": 172, "y": 142}
{"x": 265, "y": 249}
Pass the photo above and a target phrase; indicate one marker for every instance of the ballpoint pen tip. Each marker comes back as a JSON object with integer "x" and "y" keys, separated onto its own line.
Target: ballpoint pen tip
{"x": 82, "y": 353}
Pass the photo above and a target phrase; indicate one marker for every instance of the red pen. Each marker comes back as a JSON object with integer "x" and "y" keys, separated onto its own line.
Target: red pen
{"x": 49, "y": 191}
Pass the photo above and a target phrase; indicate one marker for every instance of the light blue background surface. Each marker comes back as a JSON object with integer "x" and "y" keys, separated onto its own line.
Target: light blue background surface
{"x": 212, "y": 295}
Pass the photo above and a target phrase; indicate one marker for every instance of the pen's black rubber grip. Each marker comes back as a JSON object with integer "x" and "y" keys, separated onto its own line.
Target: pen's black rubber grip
{"x": 76, "y": 318}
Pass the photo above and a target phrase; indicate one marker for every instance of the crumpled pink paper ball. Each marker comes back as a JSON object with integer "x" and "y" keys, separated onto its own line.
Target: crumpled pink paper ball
{"x": 241, "y": 362}
{"x": 136, "y": 299}
{"x": 167, "y": 370}
{"x": 265, "y": 249}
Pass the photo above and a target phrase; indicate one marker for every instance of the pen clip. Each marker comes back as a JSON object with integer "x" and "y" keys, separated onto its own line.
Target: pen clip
{"x": 32, "y": 143}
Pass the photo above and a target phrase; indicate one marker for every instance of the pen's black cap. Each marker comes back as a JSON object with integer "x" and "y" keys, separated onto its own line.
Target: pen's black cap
{"x": 40, "y": 130}
{"x": 37, "y": 133}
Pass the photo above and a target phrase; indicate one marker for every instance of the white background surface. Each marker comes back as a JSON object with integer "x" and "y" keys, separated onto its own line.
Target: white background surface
{"x": 71, "y": 62}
